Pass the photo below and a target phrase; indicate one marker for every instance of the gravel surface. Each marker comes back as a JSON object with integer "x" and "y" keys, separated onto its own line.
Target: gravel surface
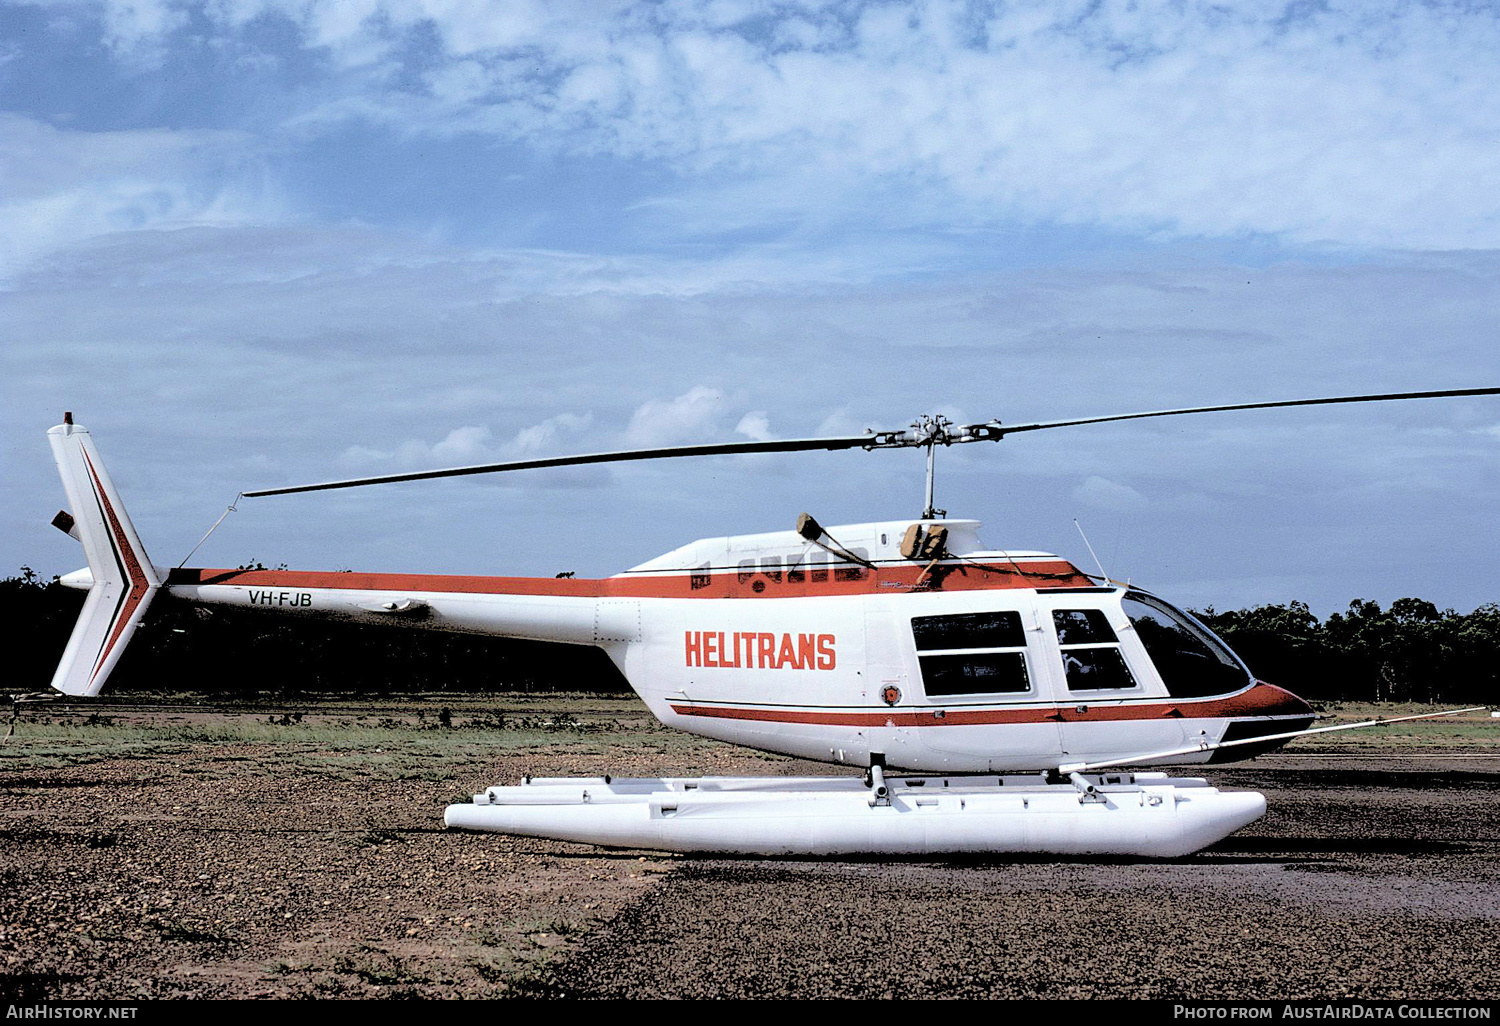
{"x": 1389, "y": 890}
{"x": 270, "y": 870}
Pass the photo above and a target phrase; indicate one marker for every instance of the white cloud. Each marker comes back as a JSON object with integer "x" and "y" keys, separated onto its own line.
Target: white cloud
{"x": 755, "y": 426}
{"x": 844, "y": 139}
{"x": 1103, "y": 493}
{"x": 840, "y": 423}
{"x": 462, "y": 445}
{"x": 1330, "y": 123}
{"x": 475, "y": 443}
{"x": 691, "y": 417}
{"x": 543, "y": 439}
{"x": 60, "y": 187}
{"x": 136, "y": 28}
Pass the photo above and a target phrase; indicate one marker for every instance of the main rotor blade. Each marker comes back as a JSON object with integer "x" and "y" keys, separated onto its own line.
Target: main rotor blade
{"x": 1010, "y": 429}
{"x": 786, "y": 445}
{"x": 919, "y": 434}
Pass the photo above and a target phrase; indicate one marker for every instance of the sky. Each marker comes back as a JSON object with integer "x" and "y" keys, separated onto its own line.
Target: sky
{"x": 253, "y": 243}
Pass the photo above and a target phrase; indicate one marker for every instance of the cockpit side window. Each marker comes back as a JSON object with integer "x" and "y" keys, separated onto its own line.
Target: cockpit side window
{"x": 1090, "y": 651}
{"x": 972, "y": 653}
{"x": 1083, "y": 627}
{"x": 1193, "y": 663}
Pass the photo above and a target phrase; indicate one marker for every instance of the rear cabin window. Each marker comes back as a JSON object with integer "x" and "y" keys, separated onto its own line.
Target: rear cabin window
{"x": 1090, "y": 651}
{"x": 1193, "y": 663}
{"x": 972, "y": 653}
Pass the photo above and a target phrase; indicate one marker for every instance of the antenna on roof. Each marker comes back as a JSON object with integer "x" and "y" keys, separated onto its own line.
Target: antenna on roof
{"x": 1090, "y": 547}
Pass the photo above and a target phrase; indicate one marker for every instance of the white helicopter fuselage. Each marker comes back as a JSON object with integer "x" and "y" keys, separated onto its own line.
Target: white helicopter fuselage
{"x": 977, "y": 662}
{"x": 903, "y": 645}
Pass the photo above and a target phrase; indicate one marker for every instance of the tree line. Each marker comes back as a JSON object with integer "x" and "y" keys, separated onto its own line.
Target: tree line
{"x": 1411, "y": 652}
{"x": 180, "y": 646}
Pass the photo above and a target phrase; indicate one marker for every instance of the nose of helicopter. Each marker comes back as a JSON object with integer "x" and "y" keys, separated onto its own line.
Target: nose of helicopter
{"x": 1265, "y": 711}
{"x": 1285, "y": 703}
{"x": 1268, "y": 700}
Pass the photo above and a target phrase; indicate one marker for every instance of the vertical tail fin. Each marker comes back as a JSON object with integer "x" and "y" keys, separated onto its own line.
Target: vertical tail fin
{"x": 124, "y": 581}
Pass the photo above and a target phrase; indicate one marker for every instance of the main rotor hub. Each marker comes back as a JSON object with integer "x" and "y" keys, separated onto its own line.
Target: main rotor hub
{"x": 932, "y": 429}
{"x": 928, "y": 432}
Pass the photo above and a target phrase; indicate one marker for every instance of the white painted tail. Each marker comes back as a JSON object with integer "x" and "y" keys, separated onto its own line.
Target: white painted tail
{"x": 124, "y": 581}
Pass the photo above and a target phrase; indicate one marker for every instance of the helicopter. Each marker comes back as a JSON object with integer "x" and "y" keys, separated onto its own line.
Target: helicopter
{"x": 1008, "y": 694}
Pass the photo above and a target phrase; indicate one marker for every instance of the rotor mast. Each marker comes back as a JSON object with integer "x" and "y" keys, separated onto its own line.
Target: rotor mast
{"x": 927, "y": 431}
{"x": 929, "y": 511}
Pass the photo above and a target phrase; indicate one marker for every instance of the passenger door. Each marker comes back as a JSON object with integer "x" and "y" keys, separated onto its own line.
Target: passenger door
{"x": 979, "y": 672}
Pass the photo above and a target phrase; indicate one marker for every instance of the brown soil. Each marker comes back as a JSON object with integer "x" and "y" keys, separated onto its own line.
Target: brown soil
{"x": 1386, "y": 891}
{"x": 222, "y": 870}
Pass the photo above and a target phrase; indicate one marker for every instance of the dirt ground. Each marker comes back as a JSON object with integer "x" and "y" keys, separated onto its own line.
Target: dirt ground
{"x": 170, "y": 858}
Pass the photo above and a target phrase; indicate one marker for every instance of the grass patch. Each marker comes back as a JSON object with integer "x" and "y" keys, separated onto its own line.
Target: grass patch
{"x": 1475, "y": 730}
{"x": 377, "y": 837}
{"x": 182, "y": 933}
{"x": 438, "y": 740}
{"x": 374, "y": 966}
{"x": 515, "y": 956}
{"x": 375, "y": 741}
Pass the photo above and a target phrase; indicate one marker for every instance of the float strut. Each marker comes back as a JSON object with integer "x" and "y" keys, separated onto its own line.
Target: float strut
{"x": 1087, "y": 791}
{"x": 880, "y": 794}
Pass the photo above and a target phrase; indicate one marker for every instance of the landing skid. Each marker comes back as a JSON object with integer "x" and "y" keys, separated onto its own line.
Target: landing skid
{"x": 1140, "y": 814}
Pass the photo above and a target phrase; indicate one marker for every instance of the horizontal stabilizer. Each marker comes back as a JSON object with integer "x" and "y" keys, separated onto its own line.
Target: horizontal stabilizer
{"x": 65, "y": 523}
{"x": 124, "y": 581}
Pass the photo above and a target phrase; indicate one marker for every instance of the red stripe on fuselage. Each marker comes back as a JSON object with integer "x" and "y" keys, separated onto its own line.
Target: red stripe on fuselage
{"x": 687, "y": 584}
{"x": 1259, "y": 700}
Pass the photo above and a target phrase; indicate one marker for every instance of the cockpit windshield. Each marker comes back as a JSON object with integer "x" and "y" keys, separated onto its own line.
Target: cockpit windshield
{"x": 1193, "y": 663}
